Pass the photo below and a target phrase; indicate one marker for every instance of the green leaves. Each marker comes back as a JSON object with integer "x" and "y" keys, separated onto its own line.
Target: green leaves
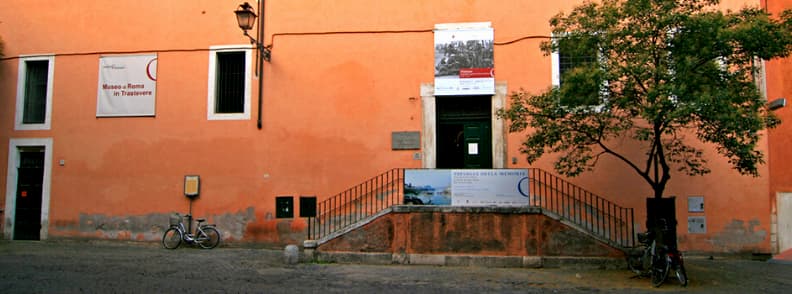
{"x": 664, "y": 68}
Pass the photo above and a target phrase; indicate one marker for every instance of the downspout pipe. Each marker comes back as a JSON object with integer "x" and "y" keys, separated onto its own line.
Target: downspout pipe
{"x": 260, "y": 48}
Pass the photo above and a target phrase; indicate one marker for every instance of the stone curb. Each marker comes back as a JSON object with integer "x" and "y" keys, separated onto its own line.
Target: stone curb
{"x": 463, "y": 260}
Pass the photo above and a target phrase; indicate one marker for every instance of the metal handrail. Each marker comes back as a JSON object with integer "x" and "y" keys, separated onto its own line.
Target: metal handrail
{"x": 357, "y": 203}
{"x": 571, "y": 203}
{"x": 594, "y": 214}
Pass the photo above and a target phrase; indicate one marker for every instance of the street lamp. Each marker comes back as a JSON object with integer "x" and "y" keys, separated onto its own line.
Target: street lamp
{"x": 246, "y": 18}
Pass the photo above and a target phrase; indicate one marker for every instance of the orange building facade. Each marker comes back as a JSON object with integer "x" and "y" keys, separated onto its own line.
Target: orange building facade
{"x": 779, "y": 91}
{"x": 345, "y": 78}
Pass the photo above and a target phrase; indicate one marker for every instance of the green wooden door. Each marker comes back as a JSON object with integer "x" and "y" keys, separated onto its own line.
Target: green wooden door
{"x": 464, "y": 136}
{"x": 478, "y": 145}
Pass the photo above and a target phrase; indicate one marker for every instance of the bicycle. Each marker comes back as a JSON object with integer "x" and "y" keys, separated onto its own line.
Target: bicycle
{"x": 640, "y": 261}
{"x": 656, "y": 260}
{"x": 205, "y": 236}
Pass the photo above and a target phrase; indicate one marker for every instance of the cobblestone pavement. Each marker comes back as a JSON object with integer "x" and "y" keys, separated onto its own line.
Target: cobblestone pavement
{"x": 132, "y": 267}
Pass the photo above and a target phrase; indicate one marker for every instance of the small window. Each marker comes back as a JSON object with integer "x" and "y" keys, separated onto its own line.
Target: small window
{"x": 34, "y": 93}
{"x": 229, "y": 83}
{"x": 567, "y": 58}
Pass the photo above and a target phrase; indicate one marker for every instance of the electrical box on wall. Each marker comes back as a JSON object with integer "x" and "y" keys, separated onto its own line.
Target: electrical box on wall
{"x": 696, "y": 204}
{"x": 697, "y": 225}
{"x": 192, "y": 186}
{"x": 284, "y": 207}
{"x": 307, "y": 206}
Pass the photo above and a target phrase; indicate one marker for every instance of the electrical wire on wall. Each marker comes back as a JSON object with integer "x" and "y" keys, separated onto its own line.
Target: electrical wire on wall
{"x": 272, "y": 41}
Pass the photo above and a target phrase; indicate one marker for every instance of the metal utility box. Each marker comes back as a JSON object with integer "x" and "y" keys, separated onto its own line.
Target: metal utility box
{"x": 307, "y": 206}
{"x": 284, "y": 207}
{"x": 697, "y": 225}
{"x": 696, "y": 204}
{"x": 192, "y": 186}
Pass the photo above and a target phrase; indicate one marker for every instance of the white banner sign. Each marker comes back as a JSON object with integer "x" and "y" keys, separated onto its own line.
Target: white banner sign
{"x": 484, "y": 187}
{"x": 467, "y": 187}
{"x": 464, "y": 59}
{"x": 127, "y": 85}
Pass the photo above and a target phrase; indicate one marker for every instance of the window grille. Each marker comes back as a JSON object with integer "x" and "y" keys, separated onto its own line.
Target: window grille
{"x": 230, "y": 84}
{"x": 568, "y": 61}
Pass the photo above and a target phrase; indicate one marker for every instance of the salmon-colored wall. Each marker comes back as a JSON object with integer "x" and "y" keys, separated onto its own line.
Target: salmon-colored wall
{"x": 331, "y": 102}
{"x": 779, "y": 85}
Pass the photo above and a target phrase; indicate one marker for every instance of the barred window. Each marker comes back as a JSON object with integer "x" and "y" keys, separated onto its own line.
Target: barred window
{"x": 229, "y": 83}
{"x": 230, "y": 89}
{"x": 568, "y": 61}
{"x": 584, "y": 88}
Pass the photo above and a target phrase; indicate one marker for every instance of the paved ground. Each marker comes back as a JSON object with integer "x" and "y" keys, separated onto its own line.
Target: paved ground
{"x": 130, "y": 267}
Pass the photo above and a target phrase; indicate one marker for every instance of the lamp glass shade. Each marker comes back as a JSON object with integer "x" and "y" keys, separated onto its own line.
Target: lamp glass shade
{"x": 246, "y": 18}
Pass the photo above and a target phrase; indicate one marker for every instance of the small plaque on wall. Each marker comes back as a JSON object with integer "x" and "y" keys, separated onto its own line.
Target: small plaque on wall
{"x": 406, "y": 140}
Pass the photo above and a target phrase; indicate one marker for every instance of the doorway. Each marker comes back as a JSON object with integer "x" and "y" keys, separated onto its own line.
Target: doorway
{"x": 30, "y": 176}
{"x": 784, "y": 221}
{"x": 464, "y": 132}
{"x": 28, "y": 189}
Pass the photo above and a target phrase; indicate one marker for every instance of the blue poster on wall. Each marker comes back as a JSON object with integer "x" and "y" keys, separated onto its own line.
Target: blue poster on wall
{"x": 467, "y": 187}
{"x": 427, "y": 186}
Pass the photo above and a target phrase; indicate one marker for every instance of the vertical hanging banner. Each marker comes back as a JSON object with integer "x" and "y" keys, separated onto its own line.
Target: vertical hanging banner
{"x": 127, "y": 85}
{"x": 464, "y": 60}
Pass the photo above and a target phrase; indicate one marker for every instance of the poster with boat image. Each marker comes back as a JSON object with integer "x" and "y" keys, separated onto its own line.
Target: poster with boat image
{"x": 466, "y": 187}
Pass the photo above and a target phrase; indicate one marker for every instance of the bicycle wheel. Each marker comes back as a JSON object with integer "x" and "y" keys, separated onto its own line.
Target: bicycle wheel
{"x": 660, "y": 270}
{"x": 635, "y": 262}
{"x": 681, "y": 275}
{"x": 172, "y": 238}
{"x": 208, "y": 237}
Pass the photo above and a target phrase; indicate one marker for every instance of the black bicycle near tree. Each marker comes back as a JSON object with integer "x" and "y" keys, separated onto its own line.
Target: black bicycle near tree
{"x": 656, "y": 259}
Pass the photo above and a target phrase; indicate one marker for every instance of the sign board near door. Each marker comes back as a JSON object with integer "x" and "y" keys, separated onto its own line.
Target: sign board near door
{"x": 467, "y": 187}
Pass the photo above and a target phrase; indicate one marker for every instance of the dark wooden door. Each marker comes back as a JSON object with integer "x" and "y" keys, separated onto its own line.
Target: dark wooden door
{"x": 27, "y": 220}
{"x": 464, "y": 136}
{"x": 478, "y": 145}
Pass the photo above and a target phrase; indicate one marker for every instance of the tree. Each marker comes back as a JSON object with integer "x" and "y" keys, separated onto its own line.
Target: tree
{"x": 666, "y": 73}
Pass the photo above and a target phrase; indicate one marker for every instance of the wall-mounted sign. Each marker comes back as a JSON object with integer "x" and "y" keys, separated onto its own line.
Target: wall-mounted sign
{"x": 472, "y": 148}
{"x": 464, "y": 59}
{"x": 127, "y": 85}
{"x": 467, "y": 187}
{"x": 406, "y": 140}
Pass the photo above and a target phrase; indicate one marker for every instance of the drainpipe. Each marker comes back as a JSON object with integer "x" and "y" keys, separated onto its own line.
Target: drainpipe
{"x": 260, "y": 48}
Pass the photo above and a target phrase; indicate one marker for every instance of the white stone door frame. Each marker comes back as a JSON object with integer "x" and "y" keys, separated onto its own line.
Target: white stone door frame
{"x": 429, "y": 132}
{"x": 14, "y": 149}
{"x": 781, "y": 231}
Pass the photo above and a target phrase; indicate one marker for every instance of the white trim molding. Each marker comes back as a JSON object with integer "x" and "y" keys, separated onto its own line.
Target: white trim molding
{"x": 20, "y": 97}
{"x": 210, "y": 101}
{"x": 429, "y": 132}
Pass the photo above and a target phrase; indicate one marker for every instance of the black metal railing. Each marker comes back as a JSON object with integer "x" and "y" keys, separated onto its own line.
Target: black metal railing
{"x": 574, "y": 204}
{"x": 592, "y": 213}
{"x": 357, "y": 203}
